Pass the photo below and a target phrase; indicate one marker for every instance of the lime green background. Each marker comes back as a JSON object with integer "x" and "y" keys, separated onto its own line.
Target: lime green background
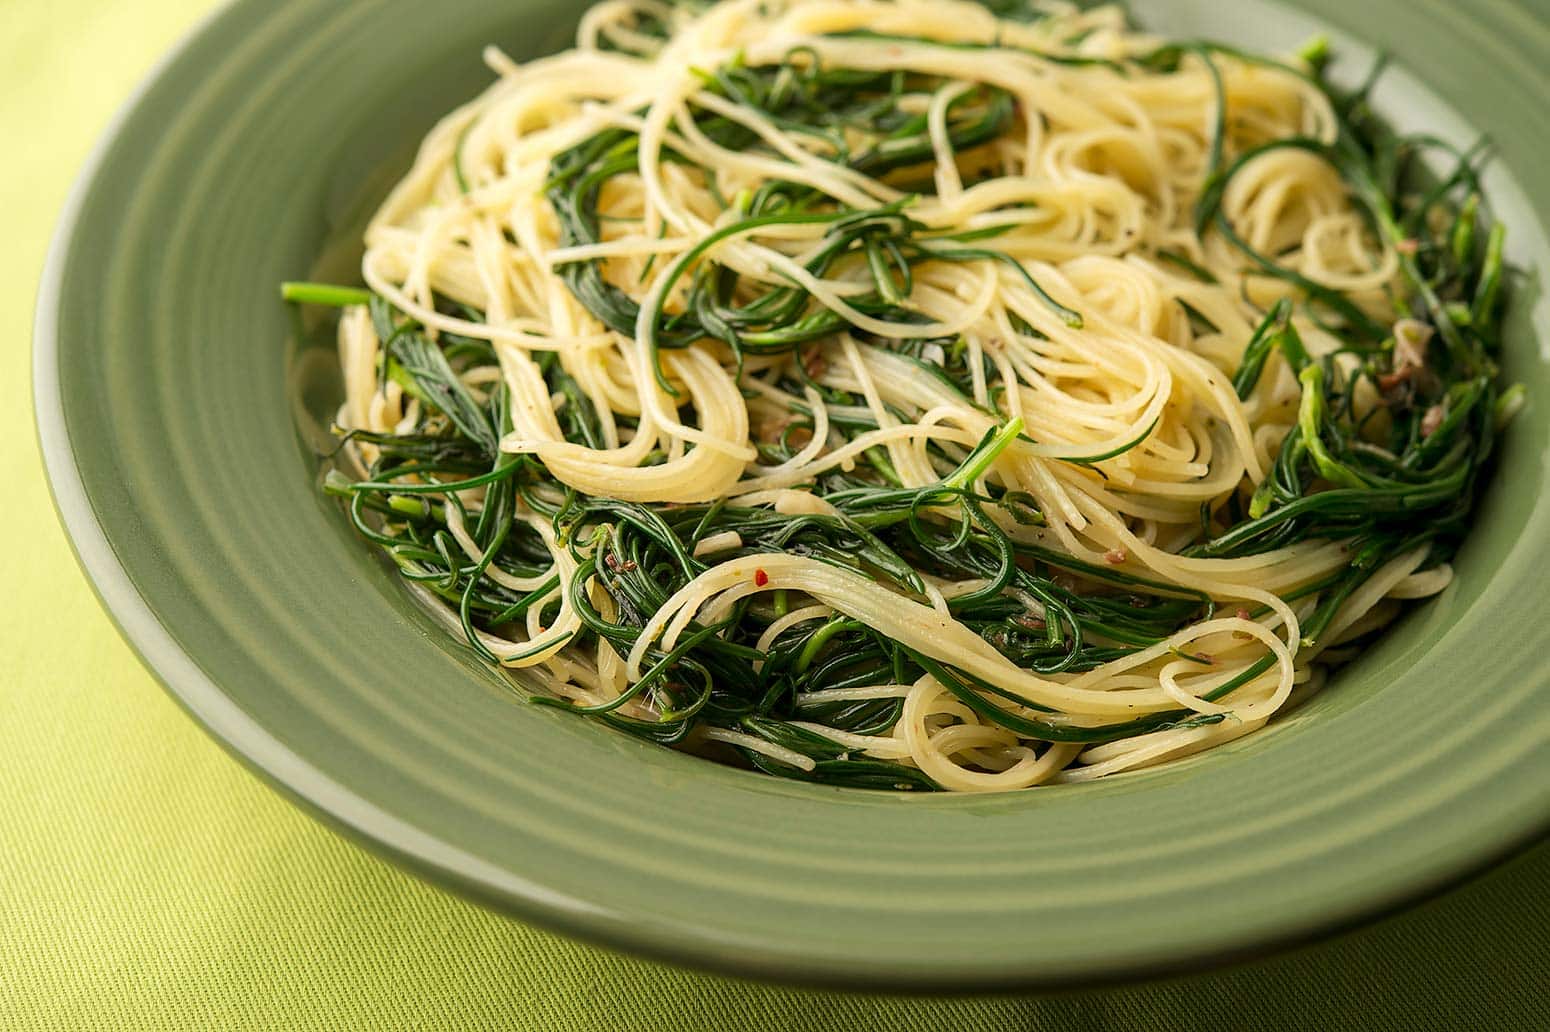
{"x": 148, "y": 881}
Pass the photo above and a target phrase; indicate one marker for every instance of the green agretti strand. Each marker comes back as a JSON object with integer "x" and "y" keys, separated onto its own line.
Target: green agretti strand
{"x": 1047, "y": 612}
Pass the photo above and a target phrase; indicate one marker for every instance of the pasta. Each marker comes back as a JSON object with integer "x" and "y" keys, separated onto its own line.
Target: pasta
{"x": 895, "y": 394}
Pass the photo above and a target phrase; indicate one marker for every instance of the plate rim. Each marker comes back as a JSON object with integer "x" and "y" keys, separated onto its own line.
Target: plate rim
{"x": 500, "y": 890}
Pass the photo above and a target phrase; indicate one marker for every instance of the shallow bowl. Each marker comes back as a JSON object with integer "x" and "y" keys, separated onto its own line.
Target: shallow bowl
{"x": 170, "y": 387}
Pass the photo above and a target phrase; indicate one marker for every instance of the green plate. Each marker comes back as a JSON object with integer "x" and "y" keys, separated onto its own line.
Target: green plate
{"x": 170, "y": 387}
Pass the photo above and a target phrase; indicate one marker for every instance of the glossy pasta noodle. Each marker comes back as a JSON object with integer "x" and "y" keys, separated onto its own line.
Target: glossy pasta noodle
{"x": 891, "y": 394}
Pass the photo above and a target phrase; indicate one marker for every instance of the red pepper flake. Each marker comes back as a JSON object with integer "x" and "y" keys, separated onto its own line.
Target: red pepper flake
{"x": 1408, "y": 246}
{"x": 1242, "y": 614}
{"x": 1115, "y": 556}
{"x": 1388, "y": 382}
{"x": 760, "y": 578}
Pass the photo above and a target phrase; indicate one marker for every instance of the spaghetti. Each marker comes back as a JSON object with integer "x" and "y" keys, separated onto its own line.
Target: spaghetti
{"x": 892, "y": 394}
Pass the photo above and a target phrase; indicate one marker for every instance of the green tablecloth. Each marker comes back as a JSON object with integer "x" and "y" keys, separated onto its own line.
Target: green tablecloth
{"x": 148, "y": 881}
